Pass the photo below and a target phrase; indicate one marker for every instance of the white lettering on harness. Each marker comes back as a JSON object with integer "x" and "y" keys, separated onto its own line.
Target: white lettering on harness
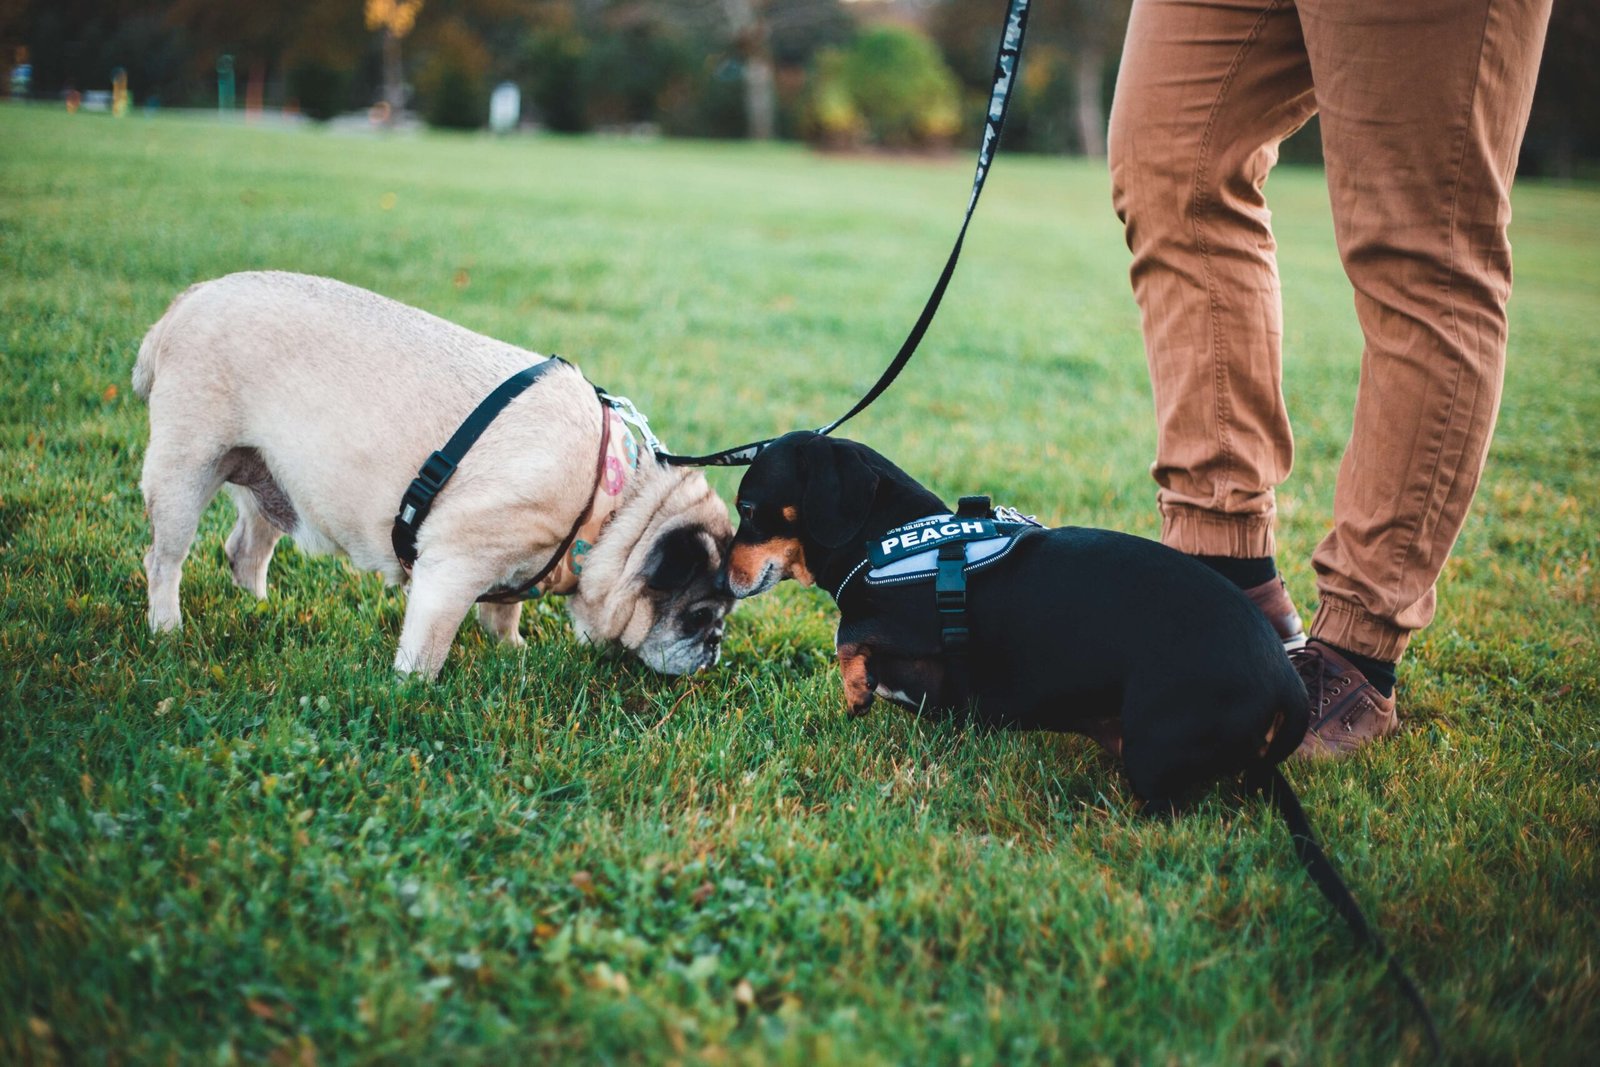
{"x": 913, "y": 538}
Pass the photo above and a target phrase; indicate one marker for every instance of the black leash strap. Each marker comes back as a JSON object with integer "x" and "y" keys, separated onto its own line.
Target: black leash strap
{"x": 1005, "y": 69}
{"x": 1320, "y": 869}
{"x": 437, "y": 469}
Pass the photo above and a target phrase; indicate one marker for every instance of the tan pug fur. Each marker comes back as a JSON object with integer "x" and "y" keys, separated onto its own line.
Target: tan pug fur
{"x": 314, "y": 403}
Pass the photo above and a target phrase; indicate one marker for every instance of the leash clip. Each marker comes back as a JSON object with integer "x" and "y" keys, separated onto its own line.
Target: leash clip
{"x": 634, "y": 417}
{"x": 1003, "y": 513}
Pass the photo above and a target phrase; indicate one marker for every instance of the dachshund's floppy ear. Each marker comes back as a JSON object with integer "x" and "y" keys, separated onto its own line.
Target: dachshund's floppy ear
{"x": 839, "y": 490}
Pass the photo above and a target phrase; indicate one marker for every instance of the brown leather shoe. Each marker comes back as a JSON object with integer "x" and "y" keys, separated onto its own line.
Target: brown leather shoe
{"x": 1347, "y": 711}
{"x": 1272, "y": 597}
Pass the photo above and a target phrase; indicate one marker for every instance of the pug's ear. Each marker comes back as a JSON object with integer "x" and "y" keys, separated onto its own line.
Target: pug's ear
{"x": 678, "y": 556}
{"x": 839, "y": 490}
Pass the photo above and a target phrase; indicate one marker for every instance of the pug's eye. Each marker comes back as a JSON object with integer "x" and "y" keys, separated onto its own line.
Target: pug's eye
{"x": 747, "y": 510}
{"x": 700, "y": 618}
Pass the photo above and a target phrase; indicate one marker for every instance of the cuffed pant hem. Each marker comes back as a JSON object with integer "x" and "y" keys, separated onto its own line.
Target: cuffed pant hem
{"x": 1347, "y": 626}
{"x": 1210, "y": 533}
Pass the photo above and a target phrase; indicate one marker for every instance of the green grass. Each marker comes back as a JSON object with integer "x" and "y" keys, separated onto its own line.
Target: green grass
{"x": 250, "y": 842}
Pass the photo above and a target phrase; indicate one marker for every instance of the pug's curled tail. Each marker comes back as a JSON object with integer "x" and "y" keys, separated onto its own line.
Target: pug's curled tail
{"x": 144, "y": 367}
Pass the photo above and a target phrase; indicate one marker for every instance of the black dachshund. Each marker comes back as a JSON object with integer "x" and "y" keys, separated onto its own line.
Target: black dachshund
{"x": 1087, "y": 631}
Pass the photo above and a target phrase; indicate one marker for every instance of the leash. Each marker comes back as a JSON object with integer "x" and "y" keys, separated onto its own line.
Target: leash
{"x": 1005, "y": 68}
{"x": 438, "y": 468}
{"x": 1272, "y": 785}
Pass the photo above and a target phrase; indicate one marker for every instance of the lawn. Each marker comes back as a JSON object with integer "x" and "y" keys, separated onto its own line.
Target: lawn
{"x": 250, "y": 842}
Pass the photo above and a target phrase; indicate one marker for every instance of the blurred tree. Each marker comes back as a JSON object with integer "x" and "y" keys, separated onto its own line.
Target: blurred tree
{"x": 75, "y": 44}
{"x": 324, "y": 59}
{"x": 1070, "y": 51}
{"x": 1094, "y": 31}
{"x": 394, "y": 19}
{"x": 256, "y": 35}
{"x": 12, "y": 48}
{"x": 556, "y": 61}
{"x": 832, "y": 119}
{"x": 453, "y": 82}
{"x": 634, "y": 65}
{"x": 1564, "y": 129}
{"x": 890, "y": 84}
{"x": 753, "y": 32}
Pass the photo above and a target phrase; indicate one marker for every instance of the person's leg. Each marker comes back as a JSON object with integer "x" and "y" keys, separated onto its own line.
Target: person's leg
{"x": 1423, "y": 105}
{"x": 1205, "y": 93}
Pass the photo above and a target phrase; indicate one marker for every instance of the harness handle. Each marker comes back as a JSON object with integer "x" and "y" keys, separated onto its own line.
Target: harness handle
{"x": 1005, "y": 69}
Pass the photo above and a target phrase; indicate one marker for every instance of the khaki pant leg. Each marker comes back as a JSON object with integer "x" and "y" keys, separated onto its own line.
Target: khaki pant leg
{"x": 1205, "y": 93}
{"x": 1423, "y": 104}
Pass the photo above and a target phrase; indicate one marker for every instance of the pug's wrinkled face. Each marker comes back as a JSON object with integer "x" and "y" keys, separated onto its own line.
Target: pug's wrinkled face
{"x": 690, "y": 602}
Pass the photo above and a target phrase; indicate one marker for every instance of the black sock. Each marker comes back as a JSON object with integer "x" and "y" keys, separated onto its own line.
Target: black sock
{"x": 1244, "y": 573}
{"x": 1380, "y": 672}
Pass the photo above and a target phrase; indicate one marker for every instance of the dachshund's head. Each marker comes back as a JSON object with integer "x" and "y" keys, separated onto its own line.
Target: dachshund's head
{"x": 804, "y": 497}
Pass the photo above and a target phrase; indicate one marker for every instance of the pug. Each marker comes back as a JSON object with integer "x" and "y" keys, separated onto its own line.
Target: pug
{"x": 315, "y": 403}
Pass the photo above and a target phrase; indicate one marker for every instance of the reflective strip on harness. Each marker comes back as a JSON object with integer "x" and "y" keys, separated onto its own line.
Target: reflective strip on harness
{"x": 933, "y": 532}
{"x": 910, "y": 553}
{"x": 922, "y": 565}
{"x": 942, "y": 549}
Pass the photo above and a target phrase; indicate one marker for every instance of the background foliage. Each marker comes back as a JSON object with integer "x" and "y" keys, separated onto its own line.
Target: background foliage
{"x": 706, "y": 68}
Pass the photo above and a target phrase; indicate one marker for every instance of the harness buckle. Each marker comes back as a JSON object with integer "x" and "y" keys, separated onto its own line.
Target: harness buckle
{"x": 950, "y": 597}
{"x": 950, "y": 601}
{"x": 436, "y": 470}
{"x": 950, "y": 583}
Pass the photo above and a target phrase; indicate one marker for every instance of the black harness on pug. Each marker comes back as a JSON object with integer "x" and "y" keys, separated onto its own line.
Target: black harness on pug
{"x": 438, "y": 468}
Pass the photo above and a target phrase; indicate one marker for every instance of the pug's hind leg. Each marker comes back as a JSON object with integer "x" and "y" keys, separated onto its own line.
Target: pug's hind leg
{"x": 179, "y": 479}
{"x": 250, "y": 544}
{"x": 436, "y": 602}
{"x": 500, "y": 620}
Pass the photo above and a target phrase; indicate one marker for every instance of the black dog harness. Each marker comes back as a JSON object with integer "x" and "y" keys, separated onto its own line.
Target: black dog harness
{"x": 438, "y": 468}
{"x": 944, "y": 548}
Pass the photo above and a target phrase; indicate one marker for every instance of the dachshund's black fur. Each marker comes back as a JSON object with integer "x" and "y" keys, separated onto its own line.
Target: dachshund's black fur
{"x": 1079, "y": 630}
{"x": 1088, "y": 631}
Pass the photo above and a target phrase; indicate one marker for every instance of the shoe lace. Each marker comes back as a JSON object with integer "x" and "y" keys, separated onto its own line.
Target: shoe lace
{"x": 1312, "y": 668}
{"x": 1324, "y": 682}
